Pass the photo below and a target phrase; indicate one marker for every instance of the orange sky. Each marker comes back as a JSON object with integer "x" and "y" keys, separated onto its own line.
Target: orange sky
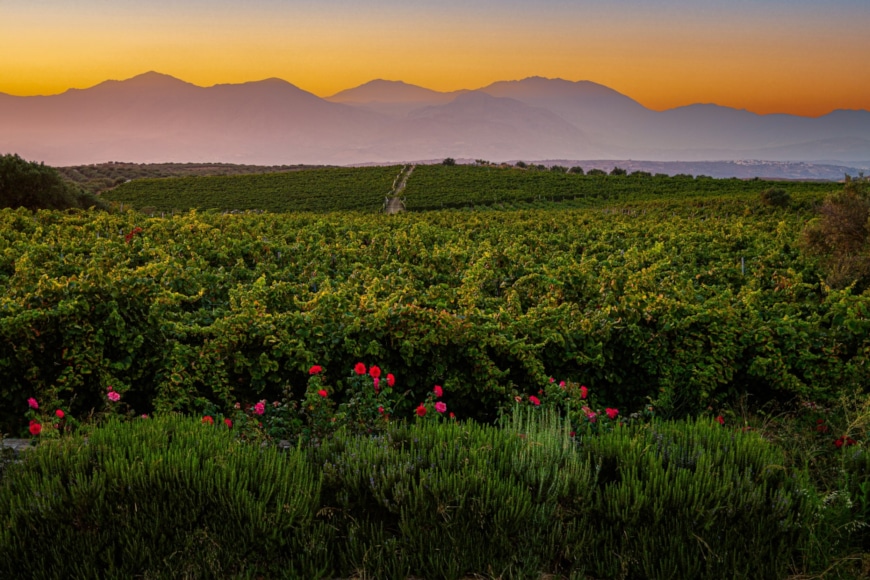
{"x": 770, "y": 56}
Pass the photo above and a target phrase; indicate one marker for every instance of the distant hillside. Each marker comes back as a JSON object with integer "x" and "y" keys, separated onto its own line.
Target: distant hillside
{"x": 101, "y": 177}
{"x": 430, "y": 187}
{"x": 155, "y": 118}
{"x": 319, "y": 190}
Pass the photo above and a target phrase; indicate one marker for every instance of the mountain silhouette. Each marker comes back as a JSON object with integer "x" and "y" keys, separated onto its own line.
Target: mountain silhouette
{"x": 155, "y": 117}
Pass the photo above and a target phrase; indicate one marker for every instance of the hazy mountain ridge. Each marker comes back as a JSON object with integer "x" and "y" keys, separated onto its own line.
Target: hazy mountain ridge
{"x": 158, "y": 118}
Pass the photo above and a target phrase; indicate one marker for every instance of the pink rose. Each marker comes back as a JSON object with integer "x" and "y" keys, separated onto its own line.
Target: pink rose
{"x": 440, "y": 407}
{"x": 534, "y": 401}
{"x": 260, "y": 408}
{"x": 611, "y": 413}
{"x": 439, "y": 392}
{"x": 114, "y": 397}
{"x": 32, "y": 402}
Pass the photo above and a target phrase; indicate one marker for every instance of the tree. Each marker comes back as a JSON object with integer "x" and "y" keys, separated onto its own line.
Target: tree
{"x": 596, "y": 171}
{"x": 775, "y": 197}
{"x": 618, "y": 171}
{"x": 576, "y": 170}
{"x": 38, "y": 186}
{"x": 449, "y": 161}
{"x": 841, "y": 236}
{"x": 559, "y": 169}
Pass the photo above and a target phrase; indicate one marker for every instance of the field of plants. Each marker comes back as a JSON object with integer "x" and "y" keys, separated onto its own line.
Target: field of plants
{"x": 431, "y": 187}
{"x": 631, "y": 389}
{"x": 320, "y": 190}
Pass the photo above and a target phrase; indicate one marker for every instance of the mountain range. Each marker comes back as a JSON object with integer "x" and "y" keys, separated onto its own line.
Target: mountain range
{"x": 157, "y": 118}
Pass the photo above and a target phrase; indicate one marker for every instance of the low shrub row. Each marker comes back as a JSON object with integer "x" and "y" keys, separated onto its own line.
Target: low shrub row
{"x": 170, "y": 496}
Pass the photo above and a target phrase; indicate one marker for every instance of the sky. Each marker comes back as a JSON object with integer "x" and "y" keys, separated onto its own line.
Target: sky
{"x": 768, "y": 56}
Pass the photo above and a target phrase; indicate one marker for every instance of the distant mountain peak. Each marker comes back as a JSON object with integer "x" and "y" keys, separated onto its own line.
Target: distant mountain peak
{"x": 385, "y": 91}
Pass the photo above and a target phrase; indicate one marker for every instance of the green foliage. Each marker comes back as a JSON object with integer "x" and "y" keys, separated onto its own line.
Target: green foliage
{"x": 639, "y": 305}
{"x": 320, "y": 190}
{"x": 618, "y": 171}
{"x": 36, "y": 186}
{"x": 775, "y": 197}
{"x": 163, "y": 497}
{"x": 168, "y": 497}
{"x": 99, "y": 177}
{"x": 841, "y": 236}
{"x": 436, "y": 187}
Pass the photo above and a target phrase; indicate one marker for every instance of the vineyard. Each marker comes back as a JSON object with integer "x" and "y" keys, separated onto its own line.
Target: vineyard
{"x": 687, "y": 306}
{"x": 320, "y": 190}
{"x": 433, "y": 187}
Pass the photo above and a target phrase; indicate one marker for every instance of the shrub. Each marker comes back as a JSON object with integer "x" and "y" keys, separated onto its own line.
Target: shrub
{"x": 841, "y": 235}
{"x": 775, "y": 197}
{"x": 158, "y": 497}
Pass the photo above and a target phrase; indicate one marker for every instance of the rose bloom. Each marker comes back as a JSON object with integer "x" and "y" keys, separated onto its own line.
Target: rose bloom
{"x": 60, "y": 414}
{"x": 323, "y": 393}
{"x": 439, "y": 392}
{"x": 583, "y": 392}
{"x": 381, "y": 410}
{"x": 359, "y": 369}
{"x": 391, "y": 380}
{"x": 114, "y": 397}
{"x": 377, "y": 382}
{"x": 32, "y": 403}
{"x": 208, "y": 420}
{"x": 534, "y": 400}
{"x": 260, "y": 408}
{"x": 228, "y": 423}
{"x": 611, "y": 413}
{"x": 315, "y": 370}
{"x": 562, "y": 384}
{"x": 421, "y": 410}
{"x": 591, "y": 416}
{"x": 440, "y": 407}
{"x": 720, "y": 420}
{"x": 374, "y": 372}
{"x": 35, "y": 428}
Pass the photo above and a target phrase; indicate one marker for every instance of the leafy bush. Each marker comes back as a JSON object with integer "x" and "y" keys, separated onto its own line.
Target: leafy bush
{"x": 163, "y": 497}
{"x": 36, "y": 186}
{"x": 775, "y": 197}
{"x": 841, "y": 235}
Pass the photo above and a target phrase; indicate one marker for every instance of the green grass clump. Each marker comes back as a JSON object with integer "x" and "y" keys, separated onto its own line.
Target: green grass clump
{"x": 163, "y": 497}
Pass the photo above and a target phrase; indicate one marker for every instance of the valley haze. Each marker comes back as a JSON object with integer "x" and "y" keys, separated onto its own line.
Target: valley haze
{"x": 154, "y": 118}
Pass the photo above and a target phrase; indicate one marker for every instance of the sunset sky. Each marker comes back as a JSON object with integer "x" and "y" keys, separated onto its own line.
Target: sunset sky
{"x": 792, "y": 56}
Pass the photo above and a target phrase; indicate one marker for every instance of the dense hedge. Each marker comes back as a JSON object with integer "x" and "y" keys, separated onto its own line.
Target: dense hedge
{"x": 170, "y": 497}
{"x": 686, "y": 306}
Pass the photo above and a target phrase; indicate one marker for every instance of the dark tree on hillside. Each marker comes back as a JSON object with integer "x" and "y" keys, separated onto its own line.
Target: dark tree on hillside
{"x": 449, "y": 161}
{"x": 576, "y": 170}
{"x": 618, "y": 171}
{"x": 38, "y": 186}
{"x": 841, "y": 236}
{"x": 596, "y": 171}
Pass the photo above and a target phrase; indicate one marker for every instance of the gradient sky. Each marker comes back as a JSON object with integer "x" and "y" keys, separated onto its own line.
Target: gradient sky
{"x": 792, "y": 56}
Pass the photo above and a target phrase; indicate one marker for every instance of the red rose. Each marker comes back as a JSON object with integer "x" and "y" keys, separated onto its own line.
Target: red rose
{"x": 391, "y": 380}
{"x": 439, "y": 392}
{"x": 35, "y": 428}
{"x": 207, "y": 419}
{"x": 611, "y": 413}
{"x": 374, "y": 372}
{"x": 583, "y": 392}
{"x": 534, "y": 401}
{"x": 316, "y": 369}
{"x": 421, "y": 410}
{"x": 359, "y": 369}
{"x": 323, "y": 393}
{"x": 59, "y": 413}
{"x": 720, "y": 420}
{"x": 228, "y": 423}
